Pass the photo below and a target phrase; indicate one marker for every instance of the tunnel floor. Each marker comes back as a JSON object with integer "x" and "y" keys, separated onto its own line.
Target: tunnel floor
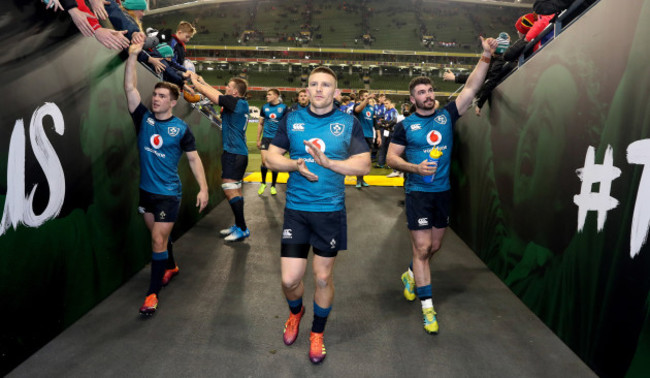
{"x": 223, "y": 315}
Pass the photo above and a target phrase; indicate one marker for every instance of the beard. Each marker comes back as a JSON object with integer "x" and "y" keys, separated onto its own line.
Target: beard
{"x": 424, "y": 105}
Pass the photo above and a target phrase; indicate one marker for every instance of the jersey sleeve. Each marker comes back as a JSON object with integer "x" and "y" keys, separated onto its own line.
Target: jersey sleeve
{"x": 452, "y": 109}
{"x": 262, "y": 113}
{"x": 229, "y": 102}
{"x": 188, "y": 143}
{"x": 137, "y": 116}
{"x": 281, "y": 138}
{"x": 399, "y": 134}
{"x": 358, "y": 144}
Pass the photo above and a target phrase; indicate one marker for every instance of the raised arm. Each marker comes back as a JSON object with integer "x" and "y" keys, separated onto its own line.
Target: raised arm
{"x": 199, "y": 174}
{"x": 203, "y": 87}
{"x": 477, "y": 77}
{"x": 131, "y": 78}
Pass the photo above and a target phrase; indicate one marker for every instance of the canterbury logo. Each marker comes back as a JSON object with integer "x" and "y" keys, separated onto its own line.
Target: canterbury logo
{"x": 423, "y": 221}
{"x": 286, "y": 233}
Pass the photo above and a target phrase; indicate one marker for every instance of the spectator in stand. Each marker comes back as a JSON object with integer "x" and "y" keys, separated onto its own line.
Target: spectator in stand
{"x": 496, "y": 71}
{"x": 523, "y": 25}
{"x": 459, "y": 78}
{"x": 539, "y": 26}
{"x": 172, "y": 73}
{"x": 88, "y": 25}
{"x": 184, "y": 32}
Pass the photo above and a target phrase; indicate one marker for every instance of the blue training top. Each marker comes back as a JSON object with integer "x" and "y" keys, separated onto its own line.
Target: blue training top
{"x": 339, "y": 136}
{"x": 272, "y": 115}
{"x": 234, "y": 121}
{"x": 161, "y": 144}
{"x": 419, "y": 134}
{"x": 366, "y": 118}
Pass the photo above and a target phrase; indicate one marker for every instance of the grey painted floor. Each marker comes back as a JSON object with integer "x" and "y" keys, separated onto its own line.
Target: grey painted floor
{"x": 224, "y": 314}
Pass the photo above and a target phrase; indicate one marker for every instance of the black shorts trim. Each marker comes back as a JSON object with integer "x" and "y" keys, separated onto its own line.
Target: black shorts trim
{"x": 164, "y": 208}
{"x": 425, "y": 210}
{"x": 301, "y": 251}
{"x": 265, "y": 143}
{"x": 233, "y": 166}
{"x": 325, "y": 231}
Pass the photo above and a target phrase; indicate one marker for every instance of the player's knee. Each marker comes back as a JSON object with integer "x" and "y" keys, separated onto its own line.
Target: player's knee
{"x": 158, "y": 243}
{"x": 435, "y": 246}
{"x": 422, "y": 251}
{"x": 290, "y": 282}
{"x": 322, "y": 280}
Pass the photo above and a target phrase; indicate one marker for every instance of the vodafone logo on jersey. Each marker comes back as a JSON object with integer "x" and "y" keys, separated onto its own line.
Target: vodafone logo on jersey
{"x": 273, "y": 116}
{"x": 156, "y": 141}
{"x": 434, "y": 138}
{"x": 368, "y": 114}
{"x": 318, "y": 143}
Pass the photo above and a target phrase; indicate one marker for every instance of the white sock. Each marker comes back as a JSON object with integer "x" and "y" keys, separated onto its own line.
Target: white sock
{"x": 427, "y": 303}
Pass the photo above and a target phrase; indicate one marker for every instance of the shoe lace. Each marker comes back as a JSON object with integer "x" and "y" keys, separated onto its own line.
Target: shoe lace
{"x": 293, "y": 320}
{"x": 317, "y": 346}
{"x": 429, "y": 314}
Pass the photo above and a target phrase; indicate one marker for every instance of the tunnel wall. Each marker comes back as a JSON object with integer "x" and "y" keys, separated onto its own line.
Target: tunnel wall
{"x": 552, "y": 190}
{"x": 70, "y": 232}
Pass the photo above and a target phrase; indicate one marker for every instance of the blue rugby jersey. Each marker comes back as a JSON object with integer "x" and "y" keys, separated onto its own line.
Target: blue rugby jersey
{"x": 419, "y": 135}
{"x": 380, "y": 110}
{"x": 161, "y": 144}
{"x": 366, "y": 118}
{"x": 234, "y": 121}
{"x": 272, "y": 115}
{"x": 339, "y": 136}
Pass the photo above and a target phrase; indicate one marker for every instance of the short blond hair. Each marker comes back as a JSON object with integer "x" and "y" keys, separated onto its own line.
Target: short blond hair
{"x": 186, "y": 27}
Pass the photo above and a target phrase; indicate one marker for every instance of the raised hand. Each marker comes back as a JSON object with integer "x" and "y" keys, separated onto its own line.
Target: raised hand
{"x": 112, "y": 39}
{"x": 80, "y": 19}
{"x": 317, "y": 154}
{"x": 98, "y": 8}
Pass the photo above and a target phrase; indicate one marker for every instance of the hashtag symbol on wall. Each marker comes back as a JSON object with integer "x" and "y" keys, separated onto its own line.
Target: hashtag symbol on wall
{"x": 599, "y": 201}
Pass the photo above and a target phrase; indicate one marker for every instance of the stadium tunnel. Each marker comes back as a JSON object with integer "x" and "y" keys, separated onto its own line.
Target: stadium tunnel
{"x": 546, "y": 269}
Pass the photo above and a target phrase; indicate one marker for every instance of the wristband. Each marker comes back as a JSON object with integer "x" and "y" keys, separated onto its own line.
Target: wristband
{"x": 484, "y": 59}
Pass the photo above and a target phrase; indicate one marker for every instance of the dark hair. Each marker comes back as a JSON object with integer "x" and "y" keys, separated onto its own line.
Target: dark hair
{"x": 274, "y": 90}
{"x": 361, "y": 93}
{"x": 174, "y": 91}
{"x": 325, "y": 70}
{"x": 417, "y": 81}
{"x": 240, "y": 84}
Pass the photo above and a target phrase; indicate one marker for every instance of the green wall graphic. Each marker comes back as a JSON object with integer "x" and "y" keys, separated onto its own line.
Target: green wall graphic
{"x": 59, "y": 268}
{"x": 518, "y": 188}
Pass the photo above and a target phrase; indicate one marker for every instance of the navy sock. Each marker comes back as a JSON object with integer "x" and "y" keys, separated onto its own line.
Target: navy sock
{"x": 171, "y": 263}
{"x": 424, "y": 292}
{"x": 158, "y": 264}
{"x": 264, "y": 171}
{"x": 237, "y": 206}
{"x": 274, "y": 178}
{"x": 295, "y": 306}
{"x": 320, "y": 318}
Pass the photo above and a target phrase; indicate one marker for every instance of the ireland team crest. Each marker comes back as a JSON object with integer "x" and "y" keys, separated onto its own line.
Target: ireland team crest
{"x": 173, "y": 131}
{"x": 441, "y": 119}
{"x": 337, "y": 128}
